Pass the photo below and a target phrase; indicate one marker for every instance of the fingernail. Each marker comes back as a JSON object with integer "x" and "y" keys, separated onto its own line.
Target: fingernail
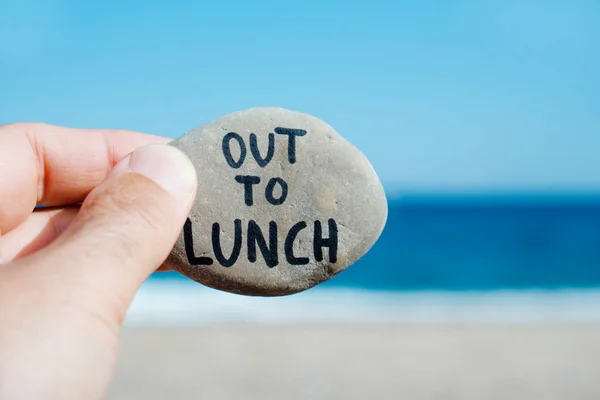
{"x": 165, "y": 165}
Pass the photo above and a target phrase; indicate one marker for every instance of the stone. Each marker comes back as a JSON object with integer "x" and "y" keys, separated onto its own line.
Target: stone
{"x": 283, "y": 204}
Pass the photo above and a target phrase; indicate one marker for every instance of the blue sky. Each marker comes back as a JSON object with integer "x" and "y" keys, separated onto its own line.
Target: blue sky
{"x": 441, "y": 96}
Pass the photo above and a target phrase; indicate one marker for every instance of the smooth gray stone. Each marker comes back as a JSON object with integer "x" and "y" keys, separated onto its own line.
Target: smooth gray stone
{"x": 327, "y": 180}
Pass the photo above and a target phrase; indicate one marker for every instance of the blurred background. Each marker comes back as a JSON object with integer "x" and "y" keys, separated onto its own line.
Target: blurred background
{"x": 482, "y": 118}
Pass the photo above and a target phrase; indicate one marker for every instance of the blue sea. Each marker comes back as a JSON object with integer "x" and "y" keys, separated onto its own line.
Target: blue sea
{"x": 484, "y": 243}
{"x": 439, "y": 259}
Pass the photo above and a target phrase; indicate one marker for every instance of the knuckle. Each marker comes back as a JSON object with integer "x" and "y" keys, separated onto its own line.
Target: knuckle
{"x": 24, "y": 127}
{"x": 130, "y": 200}
{"x": 125, "y": 219}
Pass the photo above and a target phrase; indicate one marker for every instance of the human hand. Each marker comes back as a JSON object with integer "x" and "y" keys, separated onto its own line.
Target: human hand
{"x": 68, "y": 274}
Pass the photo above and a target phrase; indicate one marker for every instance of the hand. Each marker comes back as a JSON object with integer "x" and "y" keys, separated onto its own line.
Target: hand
{"x": 68, "y": 274}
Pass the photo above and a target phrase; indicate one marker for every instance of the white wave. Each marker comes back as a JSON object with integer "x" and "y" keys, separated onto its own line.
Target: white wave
{"x": 183, "y": 303}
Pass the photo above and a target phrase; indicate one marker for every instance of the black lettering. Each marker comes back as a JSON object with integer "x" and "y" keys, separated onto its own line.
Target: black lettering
{"x": 262, "y": 162}
{"x": 331, "y": 242}
{"x": 271, "y": 187}
{"x": 237, "y": 244}
{"x": 227, "y": 150}
{"x": 188, "y": 240}
{"x": 255, "y": 236}
{"x": 289, "y": 245}
{"x": 248, "y": 181}
{"x": 292, "y": 133}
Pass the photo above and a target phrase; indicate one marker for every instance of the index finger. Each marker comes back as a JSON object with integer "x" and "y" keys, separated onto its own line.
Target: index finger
{"x": 54, "y": 166}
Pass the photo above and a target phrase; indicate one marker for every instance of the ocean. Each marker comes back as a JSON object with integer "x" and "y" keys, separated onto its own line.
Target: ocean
{"x": 439, "y": 259}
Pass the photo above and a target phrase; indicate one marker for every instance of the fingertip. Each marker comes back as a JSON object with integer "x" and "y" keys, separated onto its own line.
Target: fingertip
{"x": 166, "y": 166}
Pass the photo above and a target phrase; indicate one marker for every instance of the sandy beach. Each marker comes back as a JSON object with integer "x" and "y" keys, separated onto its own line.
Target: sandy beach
{"x": 359, "y": 362}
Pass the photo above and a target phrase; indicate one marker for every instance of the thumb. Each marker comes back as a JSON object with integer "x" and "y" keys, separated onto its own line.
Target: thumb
{"x": 128, "y": 224}
{"x": 61, "y": 307}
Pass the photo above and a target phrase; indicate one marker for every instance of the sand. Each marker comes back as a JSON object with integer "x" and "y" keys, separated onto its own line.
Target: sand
{"x": 359, "y": 362}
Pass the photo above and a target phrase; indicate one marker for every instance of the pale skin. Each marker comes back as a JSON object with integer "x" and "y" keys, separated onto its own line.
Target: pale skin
{"x": 67, "y": 273}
